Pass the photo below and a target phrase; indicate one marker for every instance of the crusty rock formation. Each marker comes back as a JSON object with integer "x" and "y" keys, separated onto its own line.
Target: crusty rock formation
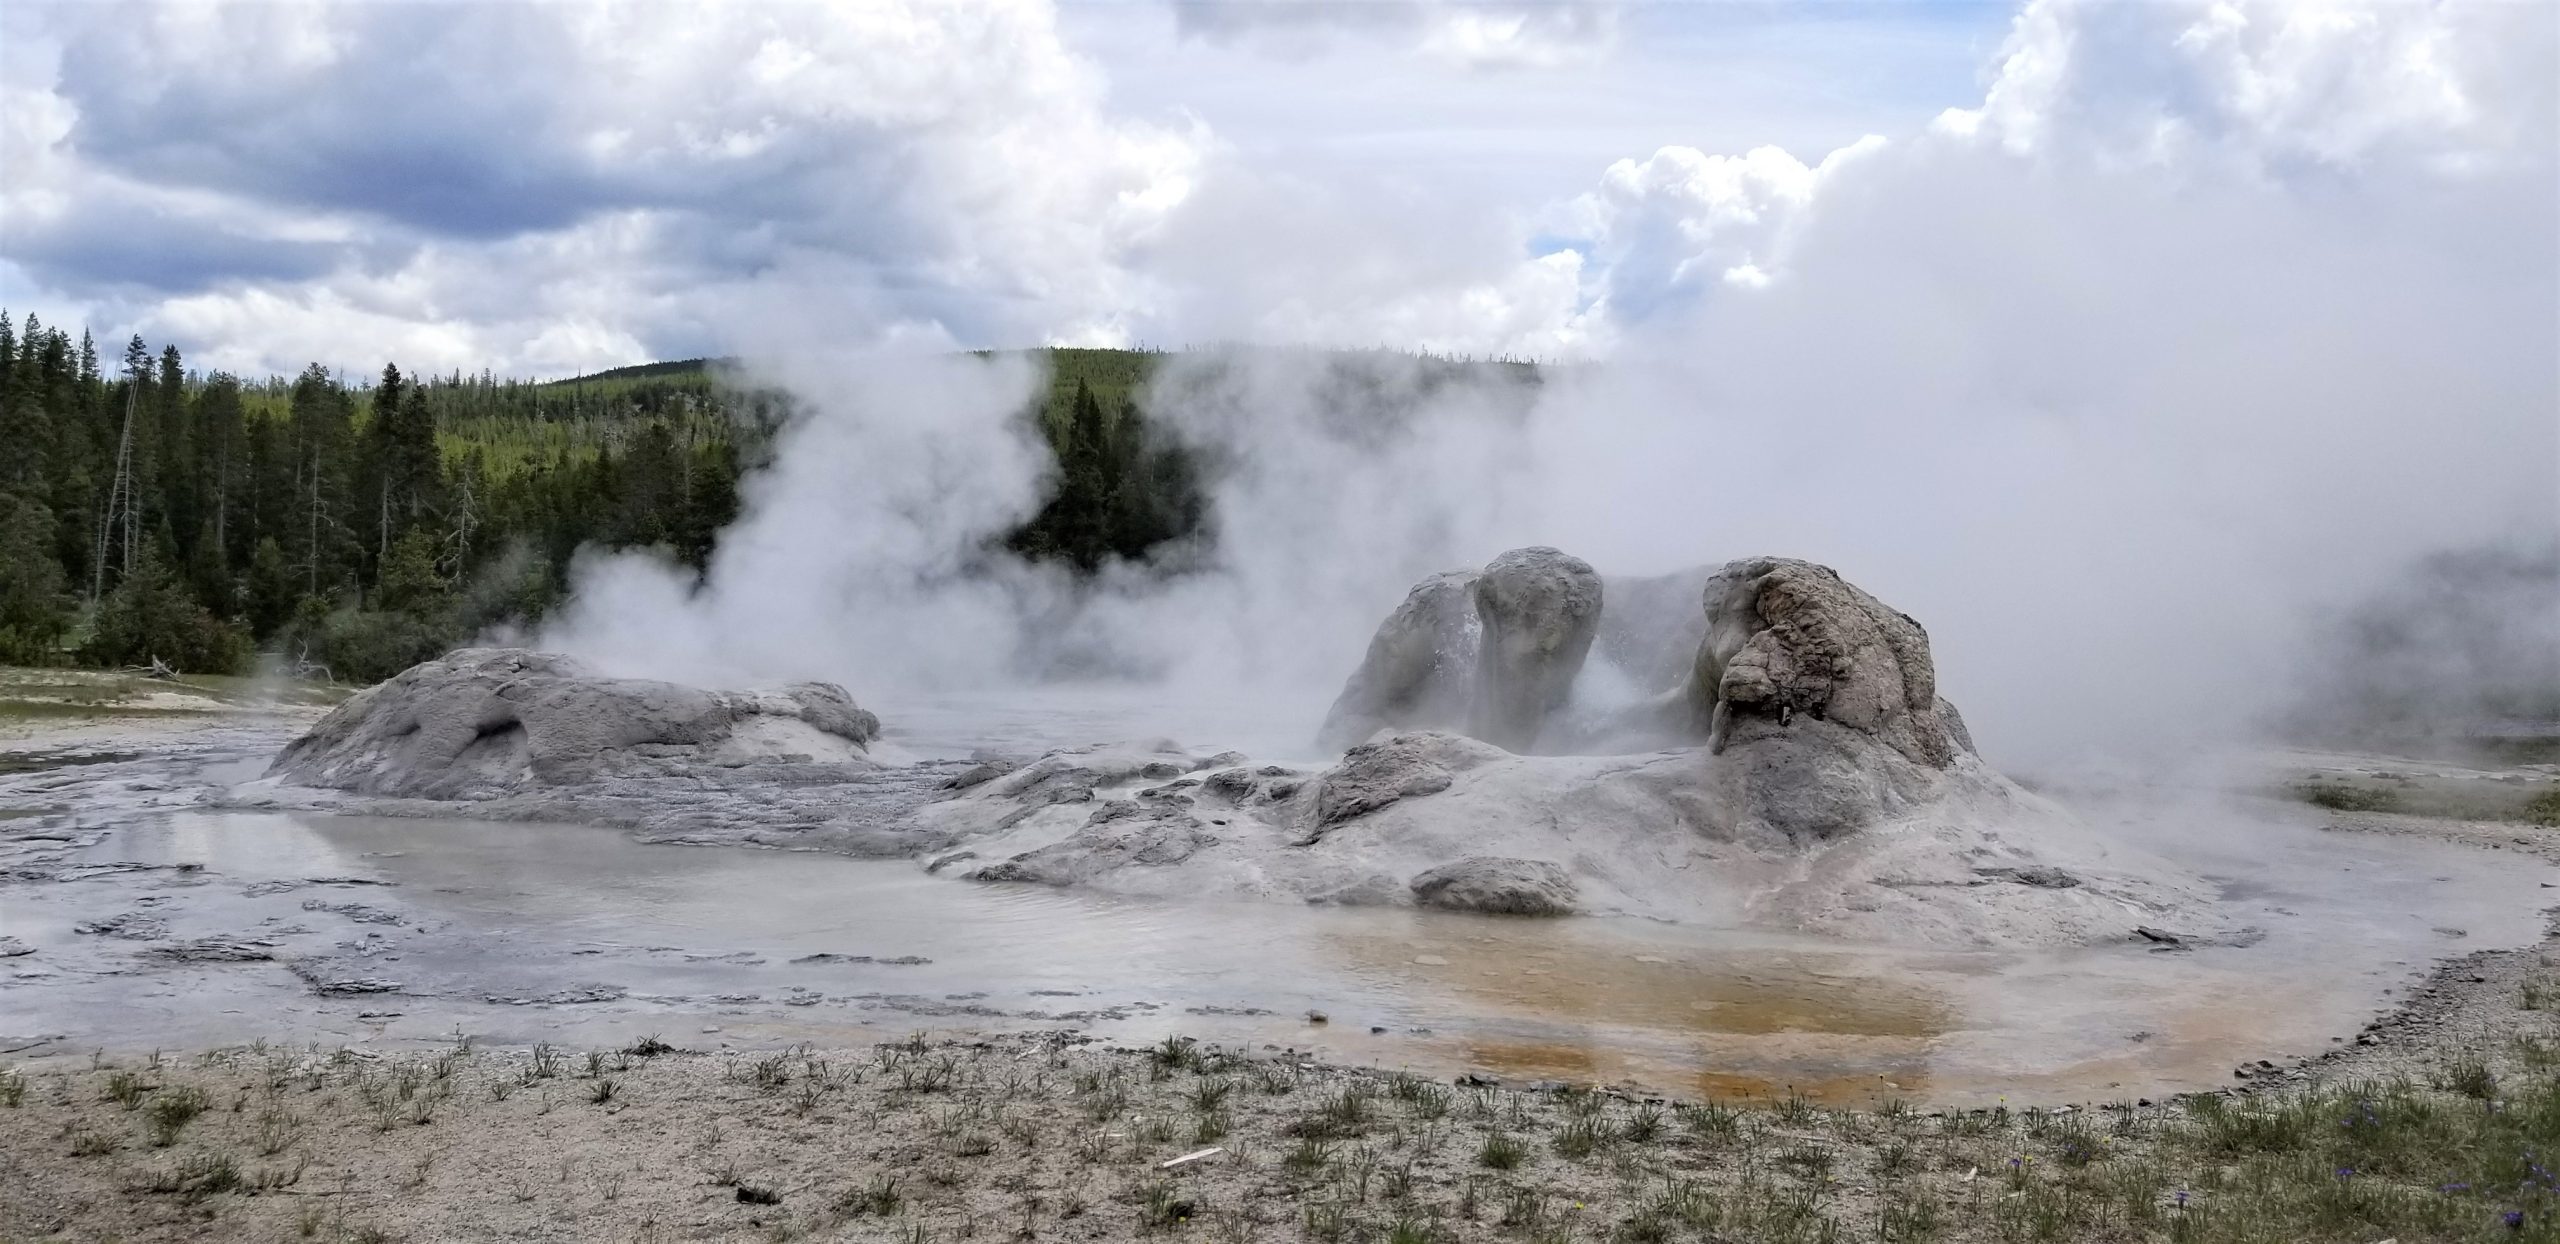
{"x": 480, "y": 723}
{"x": 1540, "y": 609}
{"x": 1788, "y": 637}
{"x": 1373, "y": 775}
{"x": 1793, "y": 769}
{"x": 1419, "y": 669}
{"x": 1827, "y": 832}
{"x": 1492, "y": 652}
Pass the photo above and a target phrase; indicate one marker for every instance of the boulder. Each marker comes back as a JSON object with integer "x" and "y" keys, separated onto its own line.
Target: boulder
{"x": 480, "y": 723}
{"x": 1420, "y": 667}
{"x": 1491, "y": 884}
{"x": 1539, "y": 609}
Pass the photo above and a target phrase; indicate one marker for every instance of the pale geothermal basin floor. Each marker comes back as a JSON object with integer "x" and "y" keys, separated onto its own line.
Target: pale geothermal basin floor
{"x": 468, "y": 917}
{"x": 515, "y": 933}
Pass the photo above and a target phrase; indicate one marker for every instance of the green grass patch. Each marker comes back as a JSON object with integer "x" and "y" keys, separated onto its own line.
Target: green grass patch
{"x": 2343, "y": 798}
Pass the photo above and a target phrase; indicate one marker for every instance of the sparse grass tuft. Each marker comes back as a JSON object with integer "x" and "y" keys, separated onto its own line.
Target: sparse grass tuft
{"x": 2469, "y": 1075}
{"x": 1581, "y": 1137}
{"x": 171, "y": 1111}
{"x": 197, "y": 1175}
{"x": 125, "y": 1088}
{"x": 2340, "y": 798}
{"x": 878, "y": 1198}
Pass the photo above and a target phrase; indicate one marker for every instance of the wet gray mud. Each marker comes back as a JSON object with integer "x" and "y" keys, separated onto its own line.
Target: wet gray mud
{"x": 133, "y": 915}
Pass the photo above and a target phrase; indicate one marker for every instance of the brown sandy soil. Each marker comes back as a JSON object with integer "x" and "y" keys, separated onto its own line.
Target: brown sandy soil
{"x": 958, "y": 1137}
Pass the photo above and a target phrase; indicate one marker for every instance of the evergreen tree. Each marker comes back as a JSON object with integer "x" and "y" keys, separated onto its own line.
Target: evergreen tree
{"x": 219, "y": 430}
{"x": 710, "y": 504}
{"x": 151, "y": 616}
{"x": 652, "y": 489}
{"x": 272, "y": 590}
{"x": 409, "y": 582}
{"x": 34, "y": 607}
{"x": 325, "y": 542}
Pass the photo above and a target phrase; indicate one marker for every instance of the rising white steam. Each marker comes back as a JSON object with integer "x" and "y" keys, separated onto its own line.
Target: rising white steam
{"x": 2108, "y": 381}
{"x": 852, "y": 557}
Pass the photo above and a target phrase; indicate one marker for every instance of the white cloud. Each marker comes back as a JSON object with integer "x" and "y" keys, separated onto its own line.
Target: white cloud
{"x": 2337, "y": 84}
{"x": 1480, "y": 34}
{"x": 484, "y": 167}
{"x": 1682, "y": 219}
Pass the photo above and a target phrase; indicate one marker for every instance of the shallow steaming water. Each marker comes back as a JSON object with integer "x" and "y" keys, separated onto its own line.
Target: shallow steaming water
{"x": 521, "y": 932}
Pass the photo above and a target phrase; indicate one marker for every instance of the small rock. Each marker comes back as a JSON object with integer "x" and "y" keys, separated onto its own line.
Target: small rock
{"x": 1316, "y": 1017}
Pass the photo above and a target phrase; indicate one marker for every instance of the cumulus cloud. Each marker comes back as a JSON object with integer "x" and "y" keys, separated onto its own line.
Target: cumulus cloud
{"x": 2274, "y": 84}
{"x": 1671, "y": 226}
{"x": 379, "y": 161}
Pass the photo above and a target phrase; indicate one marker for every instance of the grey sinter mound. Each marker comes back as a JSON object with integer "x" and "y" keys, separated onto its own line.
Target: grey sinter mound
{"x": 1773, "y": 754}
{"x": 511, "y": 735}
{"x": 1778, "y": 757}
{"x": 480, "y": 723}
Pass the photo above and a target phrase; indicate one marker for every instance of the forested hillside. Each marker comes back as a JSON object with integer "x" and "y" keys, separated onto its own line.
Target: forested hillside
{"x": 151, "y": 513}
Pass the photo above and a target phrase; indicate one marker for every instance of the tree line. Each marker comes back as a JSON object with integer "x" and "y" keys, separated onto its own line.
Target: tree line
{"x": 152, "y": 514}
